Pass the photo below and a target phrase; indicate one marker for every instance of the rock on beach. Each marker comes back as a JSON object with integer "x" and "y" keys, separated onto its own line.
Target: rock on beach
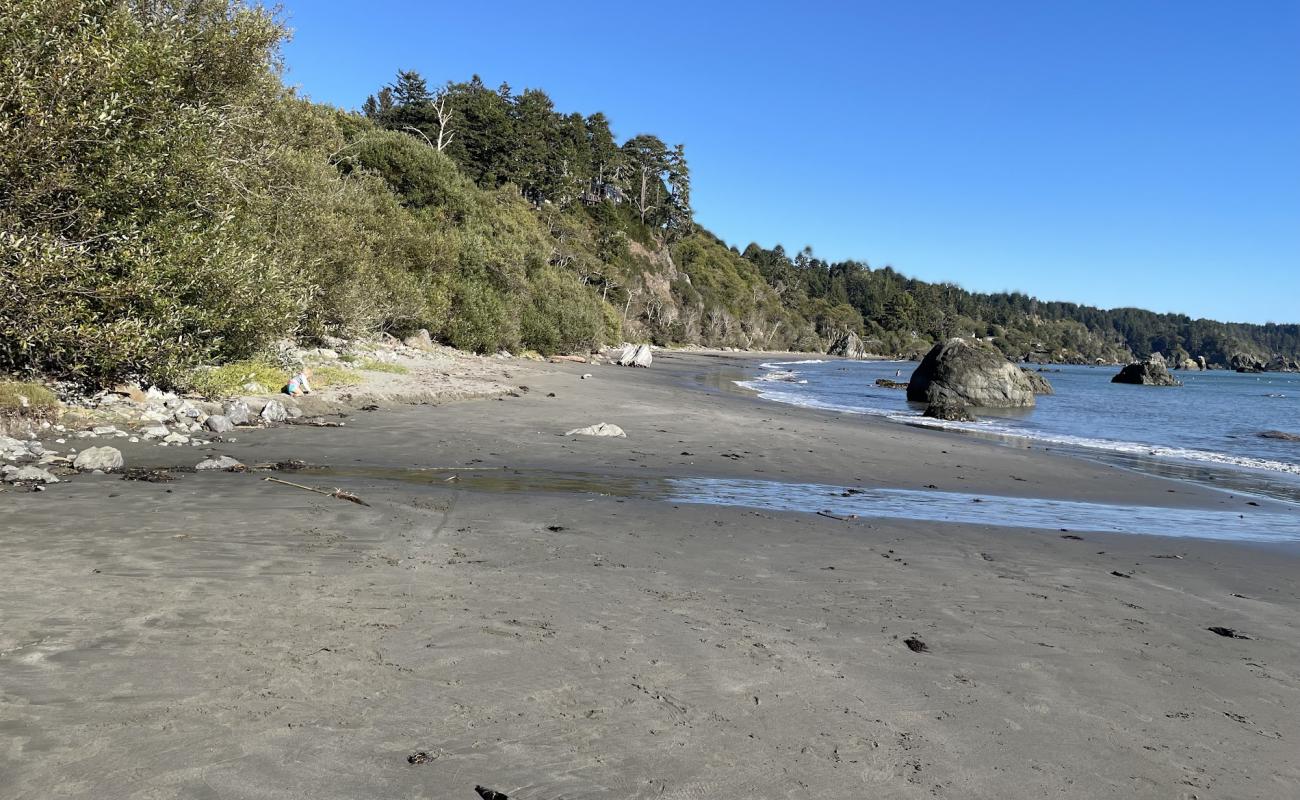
{"x": 107, "y": 459}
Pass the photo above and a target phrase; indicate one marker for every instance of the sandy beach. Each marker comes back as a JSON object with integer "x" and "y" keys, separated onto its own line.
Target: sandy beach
{"x": 547, "y": 627}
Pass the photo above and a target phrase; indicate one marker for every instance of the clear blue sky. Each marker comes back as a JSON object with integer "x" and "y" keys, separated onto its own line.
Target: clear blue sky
{"x": 1111, "y": 153}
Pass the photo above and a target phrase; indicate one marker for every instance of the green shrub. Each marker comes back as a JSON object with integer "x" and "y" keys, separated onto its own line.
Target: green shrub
{"x": 481, "y": 318}
{"x": 127, "y": 247}
{"x": 563, "y": 316}
{"x": 228, "y": 380}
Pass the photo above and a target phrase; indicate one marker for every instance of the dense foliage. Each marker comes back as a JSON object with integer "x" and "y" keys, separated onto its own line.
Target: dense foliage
{"x": 165, "y": 202}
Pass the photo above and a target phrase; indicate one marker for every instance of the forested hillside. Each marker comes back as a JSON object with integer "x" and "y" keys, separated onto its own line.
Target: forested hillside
{"x": 166, "y": 202}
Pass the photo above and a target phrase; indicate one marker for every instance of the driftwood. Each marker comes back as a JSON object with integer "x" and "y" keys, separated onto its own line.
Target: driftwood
{"x": 339, "y": 493}
{"x": 829, "y": 515}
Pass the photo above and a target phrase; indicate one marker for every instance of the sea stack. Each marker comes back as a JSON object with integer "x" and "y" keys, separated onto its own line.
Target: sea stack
{"x": 1150, "y": 371}
{"x": 974, "y": 372}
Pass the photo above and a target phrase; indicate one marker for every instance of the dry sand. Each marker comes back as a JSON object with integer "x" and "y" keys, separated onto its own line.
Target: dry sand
{"x": 224, "y": 637}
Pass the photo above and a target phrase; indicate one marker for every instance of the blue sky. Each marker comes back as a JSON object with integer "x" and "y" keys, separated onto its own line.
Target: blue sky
{"x": 1110, "y": 153}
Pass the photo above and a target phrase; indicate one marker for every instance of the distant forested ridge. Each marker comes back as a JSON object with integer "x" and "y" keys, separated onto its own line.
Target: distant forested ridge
{"x": 166, "y": 201}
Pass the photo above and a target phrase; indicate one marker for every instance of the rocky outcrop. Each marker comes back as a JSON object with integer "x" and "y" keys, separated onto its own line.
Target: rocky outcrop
{"x": 974, "y": 372}
{"x": 886, "y": 383}
{"x": 848, "y": 345}
{"x": 949, "y": 409}
{"x": 1037, "y": 382}
{"x": 1280, "y": 363}
{"x": 1244, "y": 362}
{"x": 1150, "y": 371}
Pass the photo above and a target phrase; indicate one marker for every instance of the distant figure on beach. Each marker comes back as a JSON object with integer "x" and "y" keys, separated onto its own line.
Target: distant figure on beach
{"x": 898, "y": 373}
{"x": 299, "y": 384}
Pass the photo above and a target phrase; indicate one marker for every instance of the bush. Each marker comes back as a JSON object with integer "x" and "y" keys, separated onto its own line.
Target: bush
{"x": 127, "y": 247}
{"x": 228, "y": 380}
{"x": 563, "y": 316}
{"x": 481, "y": 318}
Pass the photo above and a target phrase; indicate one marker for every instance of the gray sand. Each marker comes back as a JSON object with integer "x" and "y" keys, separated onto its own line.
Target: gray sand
{"x": 224, "y": 637}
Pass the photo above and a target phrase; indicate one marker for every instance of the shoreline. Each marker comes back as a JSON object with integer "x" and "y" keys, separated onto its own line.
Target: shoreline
{"x": 562, "y": 643}
{"x": 1258, "y": 475}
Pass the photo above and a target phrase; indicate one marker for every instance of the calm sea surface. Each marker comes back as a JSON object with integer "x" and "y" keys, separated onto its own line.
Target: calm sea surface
{"x": 1207, "y": 429}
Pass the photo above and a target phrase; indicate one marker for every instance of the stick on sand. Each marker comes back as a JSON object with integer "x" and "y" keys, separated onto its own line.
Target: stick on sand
{"x": 339, "y": 493}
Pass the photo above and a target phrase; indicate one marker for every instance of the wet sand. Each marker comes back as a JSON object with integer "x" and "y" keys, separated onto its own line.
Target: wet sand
{"x": 224, "y": 637}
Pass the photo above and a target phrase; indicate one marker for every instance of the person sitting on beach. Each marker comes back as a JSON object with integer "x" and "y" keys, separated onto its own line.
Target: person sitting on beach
{"x": 299, "y": 385}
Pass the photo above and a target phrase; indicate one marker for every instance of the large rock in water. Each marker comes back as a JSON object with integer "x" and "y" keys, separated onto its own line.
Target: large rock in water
{"x": 847, "y": 346}
{"x": 1037, "y": 382}
{"x": 974, "y": 372}
{"x": 1150, "y": 371}
{"x": 1244, "y": 362}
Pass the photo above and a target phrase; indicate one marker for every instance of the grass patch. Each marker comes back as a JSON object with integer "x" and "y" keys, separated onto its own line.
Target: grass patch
{"x": 228, "y": 380}
{"x": 375, "y": 365}
{"x": 325, "y": 375}
{"x": 19, "y": 399}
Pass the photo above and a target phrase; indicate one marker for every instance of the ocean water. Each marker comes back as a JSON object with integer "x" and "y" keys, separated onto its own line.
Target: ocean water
{"x": 1213, "y": 421}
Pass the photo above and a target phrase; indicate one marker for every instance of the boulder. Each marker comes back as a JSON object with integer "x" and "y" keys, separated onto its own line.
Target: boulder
{"x": 420, "y": 340}
{"x": 176, "y": 438}
{"x": 29, "y": 474}
{"x": 974, "y": 372}
{"x": 238, "y": 413}
{"x": 886, "y": 383}
{"x": 154, "y": 431}
{"x": 636, "y": 355}
{"x": 848, "y": 345}
{"x": 219, "y": 463}
{"x": 274, "y": 411}
{"x": 1037, "y": 382}
{"x": 1150, "y": 371}
{"x": 1190, "y": 364}
{"x": 949, "y": 409}
{"x": 599, "y": 429}
{"x": 219, "y": 424}
{"x": 107, "y": 459}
